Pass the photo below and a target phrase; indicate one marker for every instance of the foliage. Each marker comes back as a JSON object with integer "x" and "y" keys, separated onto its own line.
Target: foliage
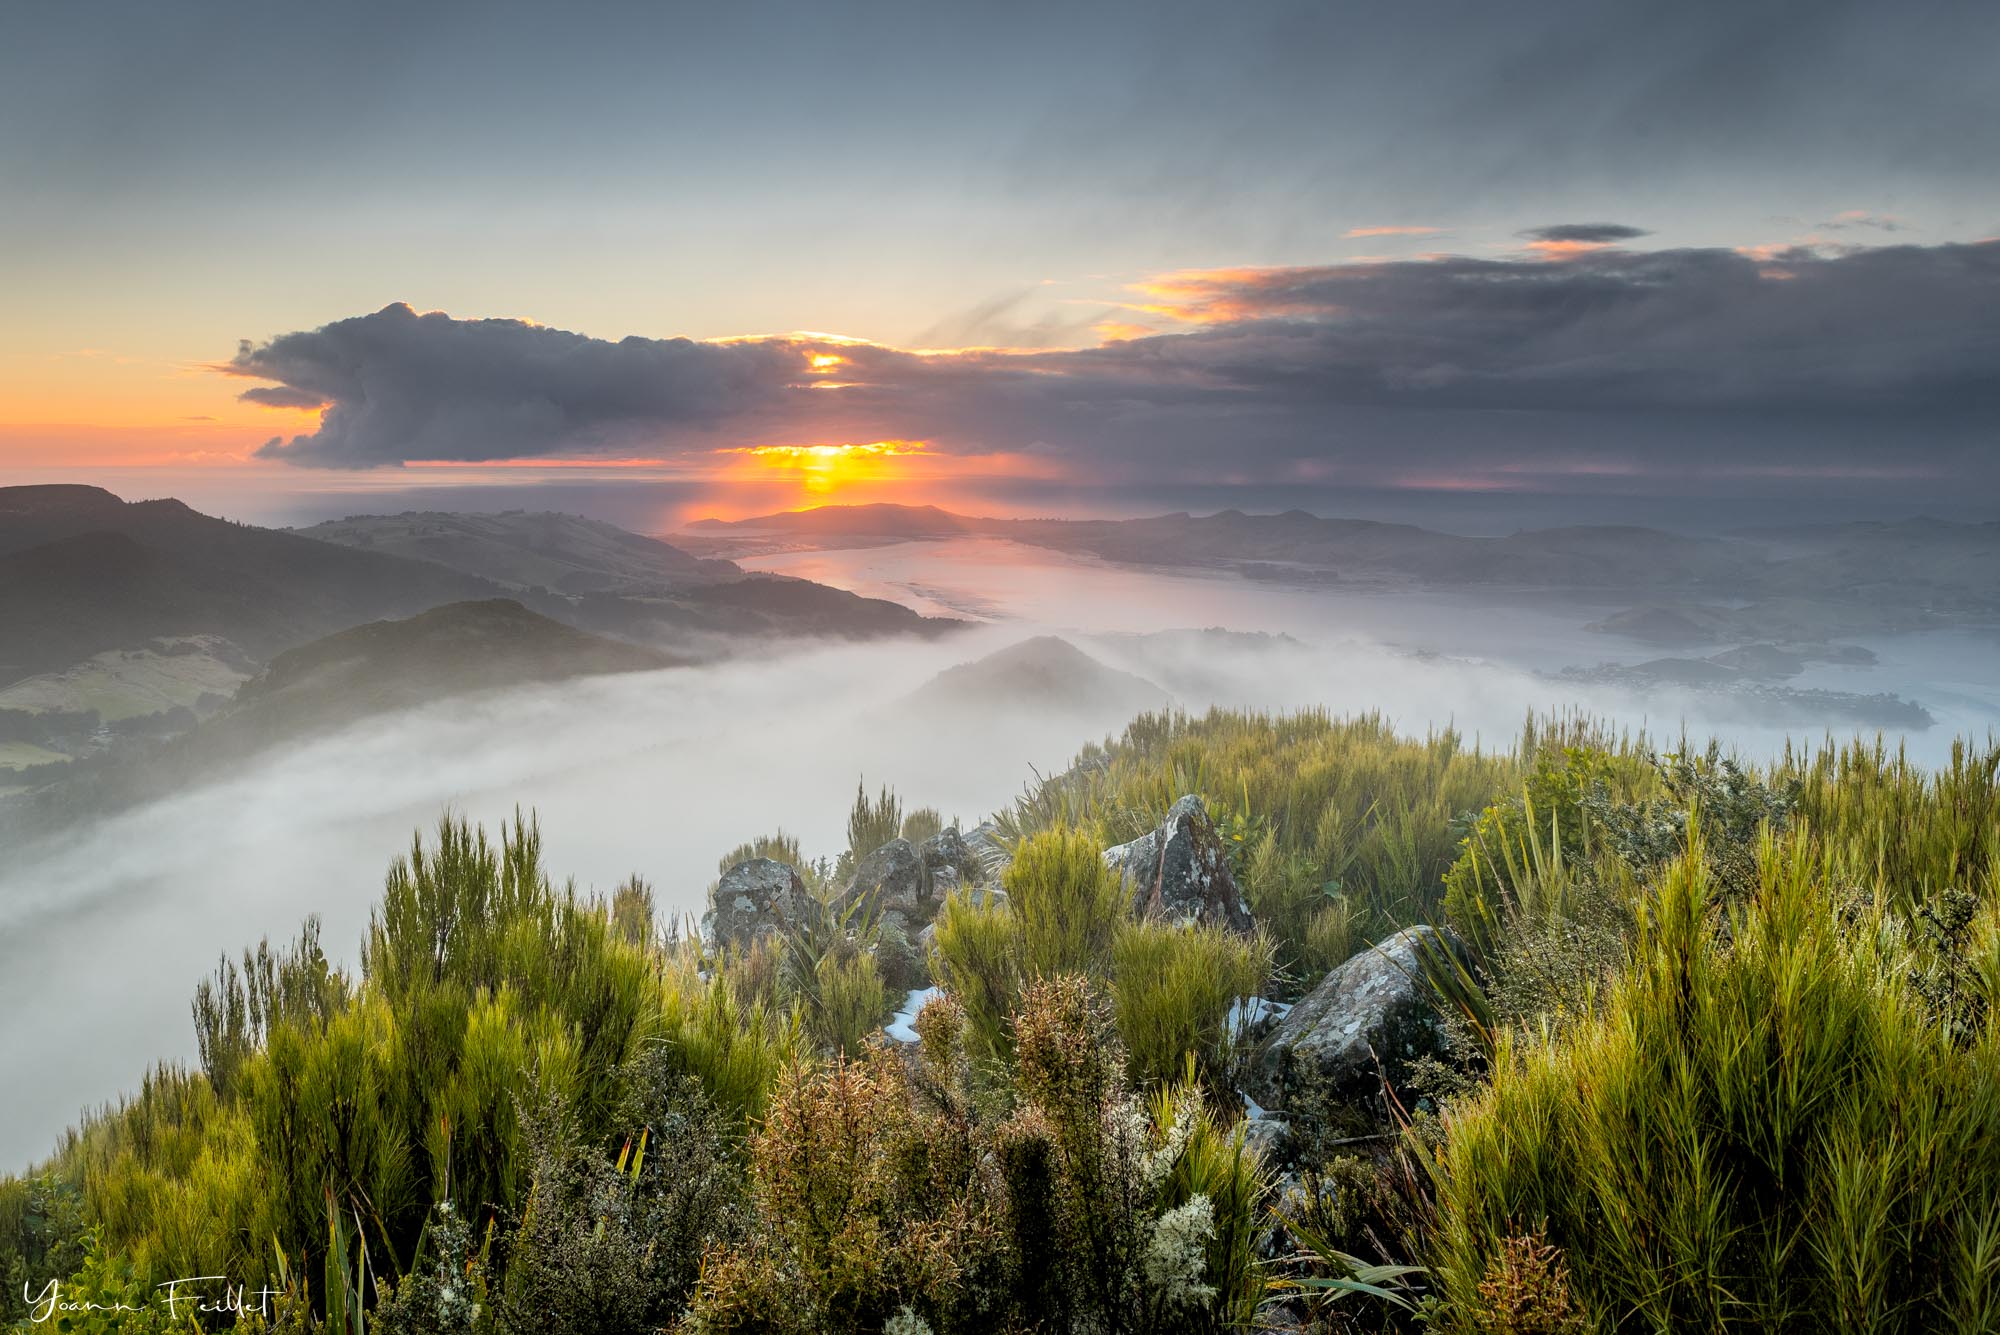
{"x": 1173, "y": 990}
{"x": 1316, "y": 807}
{"x": 1063, "y": 910}
{"x": 1762, "y": 1129}
{"x": 976, "y": 961}
{"x": 871, "y": 823}
{"x": 234, "y": 1011}
{"x": 608, "y": 1245}
{"x": 1066, "y": 903}
{"x": 921, "y": 824}
{"x": 1521, "y": 856}
{"x": 890, "y": 1194}
{"x": 1724, "y": 1049}
{"x": 632, "y": 911}
{"x": 827, "y": 968}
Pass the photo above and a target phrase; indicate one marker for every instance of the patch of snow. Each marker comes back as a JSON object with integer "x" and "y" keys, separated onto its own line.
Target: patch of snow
{"x": 902, "y": 1025}
{"x": 1252, "y": 1011}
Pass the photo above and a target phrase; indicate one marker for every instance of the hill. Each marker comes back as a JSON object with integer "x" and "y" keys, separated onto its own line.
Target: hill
{"x": 525, "y": 550}
{"x": 354, "y": 674}
{"x": 82, "y": 571}
{"x": 1045, "y": 675}
{"x": 1292, "y": 545}
{"x": 1806, "y": 584}
{"x": 834, "y": 525}
{"x": 447, "y": 651}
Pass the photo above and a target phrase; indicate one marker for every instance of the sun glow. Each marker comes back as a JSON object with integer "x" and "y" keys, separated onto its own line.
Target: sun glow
{"x": 822, "y": 469}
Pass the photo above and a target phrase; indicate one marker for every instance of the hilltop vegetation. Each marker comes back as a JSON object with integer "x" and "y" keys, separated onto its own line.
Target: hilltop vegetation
{"x": 1705, "y": 1047}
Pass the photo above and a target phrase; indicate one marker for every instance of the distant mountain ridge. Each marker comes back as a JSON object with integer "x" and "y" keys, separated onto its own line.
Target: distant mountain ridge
{"x": 1836, "y": 580}
{"x": 1587, "y": 556}
{"x": 83, "y": 572}
{"x": 605, "y": 579}
{"x": 525, "y": 550}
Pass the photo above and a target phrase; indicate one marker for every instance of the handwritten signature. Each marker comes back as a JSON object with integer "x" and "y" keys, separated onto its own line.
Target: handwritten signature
{"x": 179, "y": 1296}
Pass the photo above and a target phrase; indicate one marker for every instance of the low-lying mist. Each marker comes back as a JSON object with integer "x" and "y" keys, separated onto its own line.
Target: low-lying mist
{"x": 105, "y": 931}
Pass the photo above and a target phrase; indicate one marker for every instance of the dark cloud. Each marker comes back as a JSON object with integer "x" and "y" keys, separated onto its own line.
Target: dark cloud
{"x": 404, "y": 386}
{"x": 1905, "y": 327}
{"x": 283, "y": 396}
{"x": 1882, "y": 359}
{"x": 1590, "y": 234}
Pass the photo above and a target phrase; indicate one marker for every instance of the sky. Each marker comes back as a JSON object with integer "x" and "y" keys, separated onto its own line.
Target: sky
{"x": 284, "y": 259}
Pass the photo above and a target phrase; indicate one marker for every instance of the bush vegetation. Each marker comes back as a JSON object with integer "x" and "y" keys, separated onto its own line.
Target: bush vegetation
{"x": 1722, "y": 1051}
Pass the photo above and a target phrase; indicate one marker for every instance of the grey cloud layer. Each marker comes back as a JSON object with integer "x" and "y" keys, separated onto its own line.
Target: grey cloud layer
{"x": 402, "y": 386}
{"x": 1886, "y": 357}
{"x": 1588, "y": 233}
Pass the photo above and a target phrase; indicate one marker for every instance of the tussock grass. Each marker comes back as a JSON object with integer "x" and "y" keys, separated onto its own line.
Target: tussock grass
{"x": 1762, "y": 1129}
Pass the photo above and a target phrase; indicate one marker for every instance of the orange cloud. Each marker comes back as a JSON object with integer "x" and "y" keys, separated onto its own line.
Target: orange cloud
{"x": 1204, "y": 296}
{"x": 1566, "y": 250}
{"x": 1355, "y": 233}
{"x": 1118, "y": 331}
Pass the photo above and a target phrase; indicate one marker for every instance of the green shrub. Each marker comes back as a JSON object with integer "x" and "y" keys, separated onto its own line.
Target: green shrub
{"x": 779, "y": 847}
{"x": 632, "y": 911}
{"x": 1066, "y": 904}
{"x": 611, "y": 1244}
{"x": 1762, "y": 1129}
{"x": 1063, "y": 912}
{"x": 921, "y": 824}
{"x": 1172, "y": 991}
{"x": 1127, "y": 1218}
{"x": 871, "y": 823}
{"x": 975, "y": 961}
{"x": 1370, "y": 811}
{"x": 853, "y": 1002}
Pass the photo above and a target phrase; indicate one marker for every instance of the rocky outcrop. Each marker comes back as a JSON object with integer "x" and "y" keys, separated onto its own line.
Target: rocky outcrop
{"x": 892, "y": 885}
{"x": 1375, "y": 1008}
{"x": 946, "y": 882}
{"x": 947, "y": 850}
{"x": 756, "y": 898}
{"x": 989, "y": 854}
{"x": 1180, "y": 872}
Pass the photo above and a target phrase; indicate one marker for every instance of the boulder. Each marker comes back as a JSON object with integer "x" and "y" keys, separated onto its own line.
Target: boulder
{"x": 1180, "y": 872}
{"x": 989, "y": 854}
{"x": 1376, "y": 1006}
{"x": 1271, "y": 1138}
{"x": 947, "y": 851}
{"x": 890, "y": 882}
{"x": 945, "y": 882}
{"x": 756, "y": 898}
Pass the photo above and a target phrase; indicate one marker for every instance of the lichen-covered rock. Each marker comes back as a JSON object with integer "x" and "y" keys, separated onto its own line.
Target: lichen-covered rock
{"x": 756, "y": 898}
{"x": 1376, "y": 1006}
{"x": 945, "y": 882}
{"x": 1180, "y": 871}
{"x": 988, "y": 852}
{"x": 1270, "y": 1138}
{"x": 891, "y": 883}
{"x": 947, "y": 851}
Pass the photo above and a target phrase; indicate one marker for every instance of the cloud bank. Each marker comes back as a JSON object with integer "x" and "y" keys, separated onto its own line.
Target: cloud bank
{"x": 1884, "y": 360}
